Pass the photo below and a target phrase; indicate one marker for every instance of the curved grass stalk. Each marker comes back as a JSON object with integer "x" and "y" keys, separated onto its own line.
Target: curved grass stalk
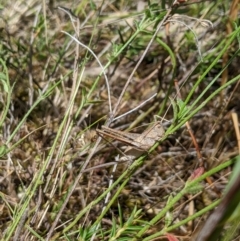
{"x": 100, "y": 64}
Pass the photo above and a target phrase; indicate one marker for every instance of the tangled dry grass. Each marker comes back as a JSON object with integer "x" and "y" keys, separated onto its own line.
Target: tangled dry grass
{"x": 57, "y": 100}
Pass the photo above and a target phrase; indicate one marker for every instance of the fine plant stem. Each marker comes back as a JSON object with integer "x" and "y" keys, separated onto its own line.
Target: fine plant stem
{"x": 134, "y": 109}
{"x": 174, "y": 64}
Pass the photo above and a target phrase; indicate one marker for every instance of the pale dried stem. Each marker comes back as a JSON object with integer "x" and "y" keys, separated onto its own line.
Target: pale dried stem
{"x": 134, "y": 109}
{"x": 102, "y": 68}
{"x": 235, "y": 123}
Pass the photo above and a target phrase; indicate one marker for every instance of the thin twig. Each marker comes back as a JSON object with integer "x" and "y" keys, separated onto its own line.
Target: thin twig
{"x": 136, "y": 108}
{"x": 195, "y": 36}
{"x": 236, "y": 123}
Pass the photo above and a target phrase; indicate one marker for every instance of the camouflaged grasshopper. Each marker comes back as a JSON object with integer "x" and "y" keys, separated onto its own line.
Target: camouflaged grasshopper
{"x": 137, "y": 144}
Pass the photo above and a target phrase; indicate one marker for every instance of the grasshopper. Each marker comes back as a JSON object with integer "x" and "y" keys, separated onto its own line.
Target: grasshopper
{"x": 137, "y": 144}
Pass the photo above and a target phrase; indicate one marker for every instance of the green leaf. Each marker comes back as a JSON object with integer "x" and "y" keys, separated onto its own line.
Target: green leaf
{"x": 183, "y": 109}
{"x": 5, "y": 85}
{"x": 175, "y": 110}
{"x": 169, "y": 215}
{"x": 3, "y": 150}
{"x": 198, "y": 187}
{"x": 147, "y": 13}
